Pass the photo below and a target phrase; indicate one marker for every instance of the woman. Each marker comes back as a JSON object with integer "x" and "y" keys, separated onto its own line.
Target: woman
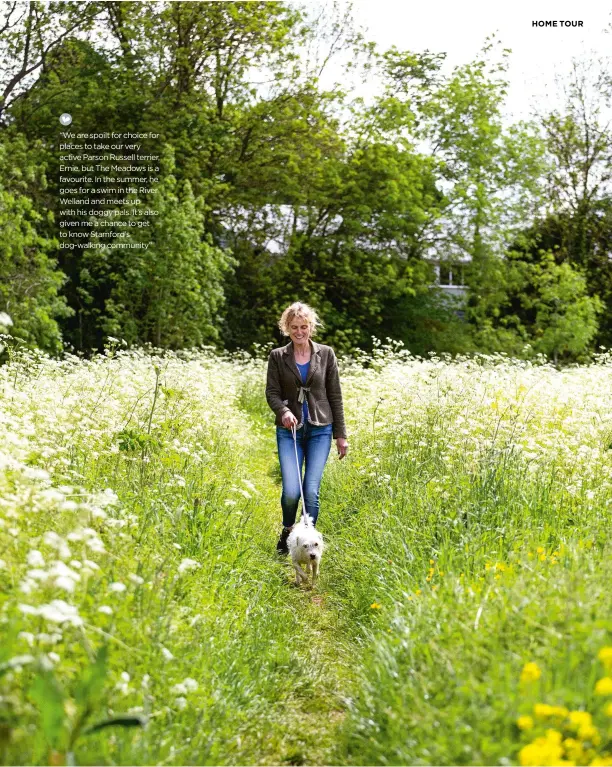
{"x": 303, "y": 390}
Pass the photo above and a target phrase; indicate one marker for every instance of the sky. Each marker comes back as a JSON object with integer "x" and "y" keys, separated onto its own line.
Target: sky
{"x": 460, "y": 30}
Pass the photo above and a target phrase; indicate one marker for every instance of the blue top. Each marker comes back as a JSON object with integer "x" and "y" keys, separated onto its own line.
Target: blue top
{"x": 304, "y": 373}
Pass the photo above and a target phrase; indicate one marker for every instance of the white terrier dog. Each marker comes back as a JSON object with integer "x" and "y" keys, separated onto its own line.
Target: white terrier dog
{"x": 306, "y": 545}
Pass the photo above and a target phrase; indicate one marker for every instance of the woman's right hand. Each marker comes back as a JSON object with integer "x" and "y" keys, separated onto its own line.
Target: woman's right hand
{"x": 289, "y": 420}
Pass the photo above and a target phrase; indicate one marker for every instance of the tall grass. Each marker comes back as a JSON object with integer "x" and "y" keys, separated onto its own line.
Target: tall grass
{"x": 468, "y": 539}
{"x": 474, "y": 524}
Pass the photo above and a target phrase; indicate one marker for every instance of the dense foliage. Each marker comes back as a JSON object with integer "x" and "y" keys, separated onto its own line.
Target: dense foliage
{"x": 276, "y": 187}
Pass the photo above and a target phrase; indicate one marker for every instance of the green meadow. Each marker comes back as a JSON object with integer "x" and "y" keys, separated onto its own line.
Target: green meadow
{"x": 463, "y": 613}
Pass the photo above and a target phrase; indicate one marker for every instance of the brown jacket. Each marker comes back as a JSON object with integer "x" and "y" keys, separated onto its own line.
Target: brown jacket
{"x": 321, "y": 389}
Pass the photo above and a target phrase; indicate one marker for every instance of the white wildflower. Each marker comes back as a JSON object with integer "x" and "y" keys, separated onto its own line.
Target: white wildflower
{"x": 59, "y": 569}
{"x": 188, "y": 564}
{"x": 35, "y": 558}
{"x": 52, "y": 495}
{"x": 187, "y": 685}
{"x": 96, "y": 545}
{"x": 106, "y": 498}
{"x": 65, "y": 583}
{"x": 17, "y": 662}
{"x": 59, "y": 611}
{"x": 56, "y": 542}
{"x": 37, "y": 574}
{"x": 33, "y": 473}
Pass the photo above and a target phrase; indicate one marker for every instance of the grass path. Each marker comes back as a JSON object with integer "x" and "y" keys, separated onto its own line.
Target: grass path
{"x": 318, "y": 708}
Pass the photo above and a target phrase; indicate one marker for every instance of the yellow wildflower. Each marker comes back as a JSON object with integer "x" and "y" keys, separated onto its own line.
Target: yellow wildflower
{"x": 524, "y": 723}
{"x": 531, "y": 671}
{"x": 540, "y": 550}
{"x": 604, "y": 686}
{"x": 601, "y": 761}
{"x": 605, "y": 656}
{"x": 546, "y": 750}
{"x": 417, "y": 592}
{"x": 588, "y": 732}
{"x": 580, "y": 719}
{"x": 375, "y": 606}
{"x": 543, "y": 710}
{"x": 573, "y": 749}
{"x": 560, "y": 711}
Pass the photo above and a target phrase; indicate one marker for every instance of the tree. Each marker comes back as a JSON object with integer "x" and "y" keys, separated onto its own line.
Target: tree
{"x": 168, "y": 289}
{"x": 579, "y": 140}
{"x": 347, "y": 231}
{"x": 548, "y": 235}
{"x": 29, "y": 33}
{"x": 490, "y": 174}
{"x": 549, "y": 305}
{"x": 29, "y": 279}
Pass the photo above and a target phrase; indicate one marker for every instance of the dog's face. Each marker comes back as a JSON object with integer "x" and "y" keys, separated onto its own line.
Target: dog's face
{"x": 306, "y": 543}
{"x": 311, "y": 548}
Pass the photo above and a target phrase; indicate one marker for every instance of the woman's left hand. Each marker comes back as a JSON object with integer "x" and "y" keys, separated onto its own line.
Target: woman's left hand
{"x": 342, "y": 445}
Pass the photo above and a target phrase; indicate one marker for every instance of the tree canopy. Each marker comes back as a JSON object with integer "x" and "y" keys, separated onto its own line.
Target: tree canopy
{"x": 274, "y": 188}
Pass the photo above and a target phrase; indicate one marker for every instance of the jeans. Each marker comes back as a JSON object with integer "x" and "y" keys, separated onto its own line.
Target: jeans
{"x": 313, "y": 445}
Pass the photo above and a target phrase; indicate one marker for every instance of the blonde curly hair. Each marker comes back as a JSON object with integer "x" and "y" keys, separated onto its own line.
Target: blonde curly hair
{"x": 303, "y": 311}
